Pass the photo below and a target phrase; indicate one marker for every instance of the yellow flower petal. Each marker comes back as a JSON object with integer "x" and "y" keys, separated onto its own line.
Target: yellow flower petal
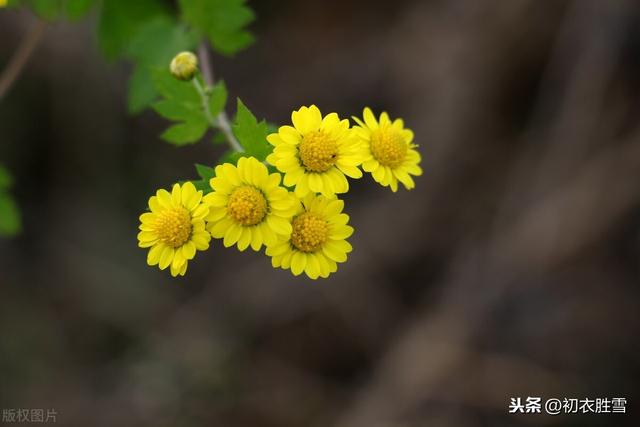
{"x": 298, "y": 263}
{"x": 232, "y": 235}
{"x": 153, "y": 257}
{"x": 245, "y": 239}
{"x": 312, "y": 267}
{"x": 166, "y": 257}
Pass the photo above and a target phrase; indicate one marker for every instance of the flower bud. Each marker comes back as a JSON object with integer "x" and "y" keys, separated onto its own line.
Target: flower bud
{"x": 184, "y": 66}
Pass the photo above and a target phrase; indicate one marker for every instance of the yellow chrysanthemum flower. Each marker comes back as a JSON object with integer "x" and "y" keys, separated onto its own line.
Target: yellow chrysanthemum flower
{"x": 175, "y": 228}
{"x": 390, "y": 154}
{"x": 248, "y": 205}
{"x": 316, "y": 153}
{"x": 317, "y": 242}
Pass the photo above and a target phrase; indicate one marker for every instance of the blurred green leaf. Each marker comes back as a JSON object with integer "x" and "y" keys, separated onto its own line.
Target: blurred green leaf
{"x": 76, "y": 9}
{"x": 219, "y": 138}
{"x": 153, "y": 46}
{"x": 188, "y": 132}
{"x": 6, "y": 180}
{"x": 56, "y": 9}
{"x": 223, "y": 22}
{"x": 217, "y": 98}
{"x": 251, "y": 134}
{"x": 205, "y": 172}
{"x": 10, "y": 223}
{"x": 121, "y": 20}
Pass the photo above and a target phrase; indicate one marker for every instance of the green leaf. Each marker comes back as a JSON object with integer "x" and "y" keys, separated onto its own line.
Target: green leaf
{"x": 181, "y": 103}
{"x": 222, "y": 21}
{"x": 172, "y": 88}
{"x": 205, "y": 172}
{"x": 251, "y": 134}
{"x": 219, "y": 138}
{"x": 154, "y": 45}
{"x": 174, "y": 110}
{"x": 186, "y": 133}
{"x": 217, "y": 98}
{"x": 272, "y": 127}
{"x": 120, "y": 21}
{"x": 76, "y": 9}
{"x": 203, "y": 186}
{"x": 10, "y": 223}
{"x": 6, "y": 180}
{"x": 141, "y": 90}
{"x": 56, "y": 9}
{"x": 232, "y": 157}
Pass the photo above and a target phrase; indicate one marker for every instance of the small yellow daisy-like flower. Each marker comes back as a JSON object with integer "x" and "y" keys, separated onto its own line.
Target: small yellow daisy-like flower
{"x": 317, "y": 242}
{"x": 175, "y": 228}
{"x": 248, "y": 205}
{"x": 390, "y": 154}
{"x": 316, "y": 153}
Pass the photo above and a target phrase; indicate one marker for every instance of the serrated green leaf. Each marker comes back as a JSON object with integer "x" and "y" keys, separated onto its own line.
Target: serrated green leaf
{"x": 272, "y": 127}
{"x": 251, "y": 134}
{"x": 172, "y": 88}
{"x": 232, "y": 157}
{"x": 202, "y": 185}
{"x": 186, "y": 133}
{"x": 6, "y": 180}
{"x": 10, "y": 223}
{"x": 154, "y": 45}
{"x": 222, "y": 21}
{"x": 177, "y": 111}
{"x": 205, "y": 172}
{"x": 120, "y": 20}
{"x": 182, "y": 103}
{"x": 217, "y": 98}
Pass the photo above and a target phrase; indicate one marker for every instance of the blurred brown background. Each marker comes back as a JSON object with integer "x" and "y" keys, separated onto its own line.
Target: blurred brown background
{"x": 511, "y": 271}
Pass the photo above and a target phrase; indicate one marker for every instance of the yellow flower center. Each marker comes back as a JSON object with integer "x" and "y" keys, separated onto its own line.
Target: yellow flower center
{"x": 388, "y": 147}
{"x": 173, "y": 226}
{"x": 247, "y": 205}
{"x": 310, "y": 232}
{"x": 318, "y": 151}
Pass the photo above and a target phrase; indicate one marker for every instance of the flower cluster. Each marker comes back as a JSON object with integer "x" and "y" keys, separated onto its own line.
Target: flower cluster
{"x": 293, "y": 212}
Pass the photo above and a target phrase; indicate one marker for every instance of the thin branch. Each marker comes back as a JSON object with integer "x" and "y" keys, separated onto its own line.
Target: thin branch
{"x": 220, "y": 122}
{"x": 21, "y": 57}
{"x": 205, "y": 64}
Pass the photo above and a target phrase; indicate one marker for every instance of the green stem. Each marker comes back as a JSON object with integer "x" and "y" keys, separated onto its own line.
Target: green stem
{"x": 221, "y": 121}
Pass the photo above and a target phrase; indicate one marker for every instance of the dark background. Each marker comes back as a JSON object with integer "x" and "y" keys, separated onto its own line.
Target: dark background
{"x": 512, "y": 269}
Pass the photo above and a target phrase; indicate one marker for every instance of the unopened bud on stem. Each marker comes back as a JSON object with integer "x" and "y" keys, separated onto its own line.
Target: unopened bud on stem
{"x": 184, "y": 66}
